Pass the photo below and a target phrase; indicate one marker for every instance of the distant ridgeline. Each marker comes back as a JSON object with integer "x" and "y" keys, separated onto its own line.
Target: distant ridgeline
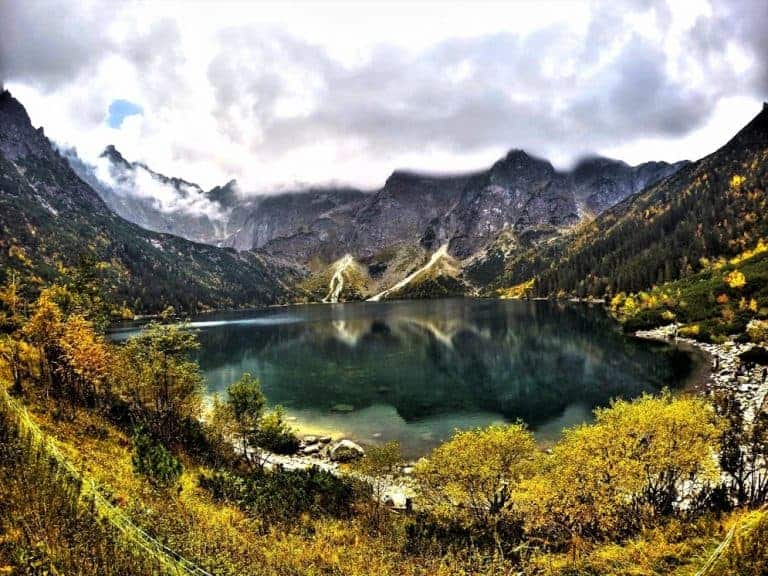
{"x": 520, "y": 228}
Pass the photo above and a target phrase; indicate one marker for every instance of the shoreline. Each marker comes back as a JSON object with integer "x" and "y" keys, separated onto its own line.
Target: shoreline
{"x": 394, "y": 490}
{"x": 726, "y": 370}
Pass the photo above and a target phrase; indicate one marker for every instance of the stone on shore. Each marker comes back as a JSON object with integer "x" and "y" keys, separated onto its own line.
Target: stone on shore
{"x": 313, "y": 448}
{"x": 346, "y": 451}
{"x": 343, "y": 408}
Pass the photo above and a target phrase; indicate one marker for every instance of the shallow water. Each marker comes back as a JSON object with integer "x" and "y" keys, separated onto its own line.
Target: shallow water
{"x": 414, "y": 371}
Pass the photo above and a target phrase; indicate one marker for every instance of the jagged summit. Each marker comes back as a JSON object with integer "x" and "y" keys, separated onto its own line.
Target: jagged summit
{"x": 519, "y": 162}
{"x": 12, "y": 109}
{"x": 227, "y": 195}
{"x": 113, "y": 154}
{"x": 595, "y": 162}
{"x": 18, "y": 138}
{"x": 407, "y": 177}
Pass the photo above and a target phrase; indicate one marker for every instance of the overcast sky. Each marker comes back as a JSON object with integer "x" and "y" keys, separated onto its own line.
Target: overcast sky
{"x": 277, "y": 95}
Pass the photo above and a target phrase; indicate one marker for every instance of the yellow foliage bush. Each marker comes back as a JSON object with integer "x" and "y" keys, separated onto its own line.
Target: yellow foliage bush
{"x": 609, "y": 478}
{"x": 757, "y": 330}
{"x": 735, "y": 279}
{"x": 690, "y": 331}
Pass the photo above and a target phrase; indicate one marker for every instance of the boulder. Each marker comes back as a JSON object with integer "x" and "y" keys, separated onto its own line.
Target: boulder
{"x": 311, "y": 448}
{"x": 346, "y": 451}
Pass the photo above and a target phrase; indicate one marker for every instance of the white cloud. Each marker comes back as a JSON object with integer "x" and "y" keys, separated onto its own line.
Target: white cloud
{"x": 141, "y": 183}
{"x": 276, "y": 94}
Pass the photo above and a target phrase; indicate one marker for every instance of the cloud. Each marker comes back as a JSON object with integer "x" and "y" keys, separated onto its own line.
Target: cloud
{"x": 52, "y": 42}
{"x": 170, "y": 198}
{"x": 276, "y": 95}
{"x": 738, "y": 25}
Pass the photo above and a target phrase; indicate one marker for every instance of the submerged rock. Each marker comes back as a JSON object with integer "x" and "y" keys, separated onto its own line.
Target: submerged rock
{"x": 343, "y": 408}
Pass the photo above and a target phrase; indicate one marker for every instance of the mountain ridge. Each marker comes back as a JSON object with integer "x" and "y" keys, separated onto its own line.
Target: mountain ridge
{"x": 51, "y": 219}
{"x": 713, "y": 207}
{"x": 518, "y": 198}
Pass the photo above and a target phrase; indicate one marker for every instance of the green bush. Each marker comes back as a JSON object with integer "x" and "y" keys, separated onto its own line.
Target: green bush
{"x": 274, "y": 434}
{"x": 282, "y": 496}
{"x": 154, "y": 461}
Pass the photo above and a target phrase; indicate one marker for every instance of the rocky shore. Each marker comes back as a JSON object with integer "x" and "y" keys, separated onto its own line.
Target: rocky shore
{"x": 728, "y": 371}
{"x": 326, "y": 454}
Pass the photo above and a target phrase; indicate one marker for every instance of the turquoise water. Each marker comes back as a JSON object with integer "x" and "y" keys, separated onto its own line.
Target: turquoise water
{"x": 414, "y": 371}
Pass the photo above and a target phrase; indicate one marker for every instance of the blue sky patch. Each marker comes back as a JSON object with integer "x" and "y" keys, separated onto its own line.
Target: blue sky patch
{"x": 119, "y": 110}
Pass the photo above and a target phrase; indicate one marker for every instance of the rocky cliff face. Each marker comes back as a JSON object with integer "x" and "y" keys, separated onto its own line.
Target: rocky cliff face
{"x": 519, "y": 197}
{"x": 519, "y": 194}
{"x": 157, "y": 202}
{"x": 600, "y": 183}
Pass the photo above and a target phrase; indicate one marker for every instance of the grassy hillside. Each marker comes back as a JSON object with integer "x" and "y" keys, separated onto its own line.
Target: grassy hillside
{"x": 121, "y": 442}
{"x": 726, "y": 297}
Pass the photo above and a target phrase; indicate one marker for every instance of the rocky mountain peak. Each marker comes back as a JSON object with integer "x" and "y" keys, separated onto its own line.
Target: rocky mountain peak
{"x": 12, "y": 110}
{"x": 519, "y": 164}
{"x": 227, "y": 195}
{"x": 589, "y": 164}
{"x": 113, "y": 155}
{"x": 18, "y": 138}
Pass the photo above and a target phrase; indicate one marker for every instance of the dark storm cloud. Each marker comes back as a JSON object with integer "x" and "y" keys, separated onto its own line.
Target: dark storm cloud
{"x": 50, "y": 43}
{"x": 554, "y": 91}
{"x": 540, "y": 91}
{"x": 744, "y": 22}
{"x": 54, "y": 43}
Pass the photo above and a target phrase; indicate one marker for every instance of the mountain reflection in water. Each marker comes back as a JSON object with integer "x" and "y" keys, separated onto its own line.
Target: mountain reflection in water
{"x": 414, "y": 371}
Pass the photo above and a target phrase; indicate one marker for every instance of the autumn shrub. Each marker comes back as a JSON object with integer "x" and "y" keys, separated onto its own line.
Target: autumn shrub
{"x": 757, "y": 330}
{"x": 629, "y": 470}
{"x": 468, "y": 485}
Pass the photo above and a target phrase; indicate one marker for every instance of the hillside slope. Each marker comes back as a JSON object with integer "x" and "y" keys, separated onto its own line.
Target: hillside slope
{"x": 50, "y": 218}
{"x": 714, "y": 207}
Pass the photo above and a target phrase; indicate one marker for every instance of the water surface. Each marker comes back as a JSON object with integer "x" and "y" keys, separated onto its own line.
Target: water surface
{"x": 414, "y": 371}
